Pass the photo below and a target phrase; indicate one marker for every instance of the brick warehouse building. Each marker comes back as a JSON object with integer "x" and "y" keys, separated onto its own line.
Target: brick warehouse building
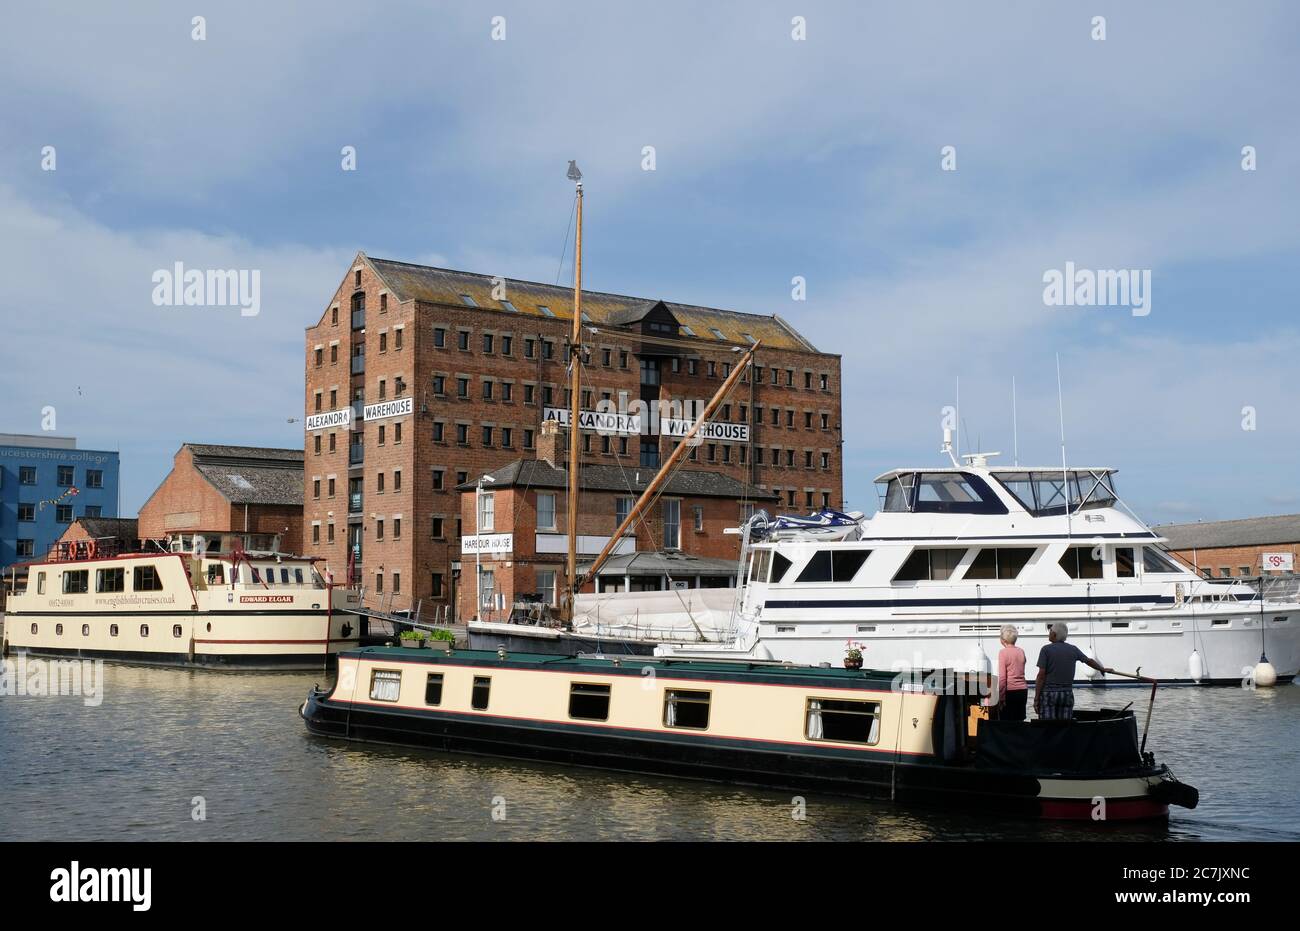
{"x": 525, "y": 501}
{"x": 419, "y": 379}
{"x": 250, "y": 493}
{"x": 1226, "y": 548}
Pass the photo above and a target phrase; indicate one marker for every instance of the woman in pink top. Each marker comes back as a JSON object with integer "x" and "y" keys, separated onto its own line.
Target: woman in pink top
{"x": 1012, "y": 688}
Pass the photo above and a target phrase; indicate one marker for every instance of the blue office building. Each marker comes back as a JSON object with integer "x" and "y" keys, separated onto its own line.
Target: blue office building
{"x": 45, "y": 484}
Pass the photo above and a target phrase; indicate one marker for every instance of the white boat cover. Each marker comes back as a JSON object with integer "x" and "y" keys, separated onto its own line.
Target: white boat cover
{"x": 687, "y": 615}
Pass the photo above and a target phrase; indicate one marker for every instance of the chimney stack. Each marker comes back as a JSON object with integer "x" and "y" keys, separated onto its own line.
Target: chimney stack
{"x": 552, "y": 446}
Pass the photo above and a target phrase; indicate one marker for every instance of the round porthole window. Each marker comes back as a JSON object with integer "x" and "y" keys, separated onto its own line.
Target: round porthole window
{"x": 58, "y": 630}
{"x": 112, "y": 630}
{"x": 176, "y": 630}
{"x": 85, "y": 630}
{"x": 144, "y": 630}
{"x": 33, "y": 628}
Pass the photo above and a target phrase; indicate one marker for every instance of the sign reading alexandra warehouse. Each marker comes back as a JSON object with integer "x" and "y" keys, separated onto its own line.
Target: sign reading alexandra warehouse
{"x": 330, "y": 419}
{"x": 398, "y": 407}
{"x": 487, "y": 543}
{"x": 628, "y": 423}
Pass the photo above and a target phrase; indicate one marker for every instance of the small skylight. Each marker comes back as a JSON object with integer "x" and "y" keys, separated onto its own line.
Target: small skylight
{"x": 469, "y": 301}
{"x": 240, "y": 482}
{"x": 716, "y": 332}
{"x": 750, "y": 338}
{"x": 510, "y": 307}
{"x": 546, "y": 311}
{"x": 687, "y": 330}
{"x": 585, "y": 318}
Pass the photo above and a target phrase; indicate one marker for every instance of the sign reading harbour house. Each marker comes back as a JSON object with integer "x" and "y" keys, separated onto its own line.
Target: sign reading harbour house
{"x": 629, "y": 423}
{"x": 398, "y": 407}
{"x": 330, "y": 419}
{"x": 487, "y": 543}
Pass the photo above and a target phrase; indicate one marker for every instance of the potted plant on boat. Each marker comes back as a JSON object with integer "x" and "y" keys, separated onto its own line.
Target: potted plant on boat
{"x": 853, "y": 657}
{"x": 413, "y": 638}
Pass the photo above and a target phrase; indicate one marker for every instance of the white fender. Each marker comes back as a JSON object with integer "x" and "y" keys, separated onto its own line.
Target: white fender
{"x": 1088, "y": 670}
{"x": 1265, "y": 675}
{"x": 1196, "y": 666}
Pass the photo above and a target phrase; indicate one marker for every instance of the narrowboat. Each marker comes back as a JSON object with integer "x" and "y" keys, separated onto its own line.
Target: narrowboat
{"x": 906, "y": 737}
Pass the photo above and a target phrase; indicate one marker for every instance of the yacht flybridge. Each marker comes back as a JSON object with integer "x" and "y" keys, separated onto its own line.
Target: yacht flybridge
{"x": 955, "y": 553}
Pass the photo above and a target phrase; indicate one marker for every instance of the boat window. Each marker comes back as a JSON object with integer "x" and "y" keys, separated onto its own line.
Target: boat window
{"x": 1082, "y": 562}
{"x": 929, "y": 565}
{"x": 433, "y": 689}
{"x": 1044, "y": 493}
{"x": 999, "y": 562}
{"x": 216, "y": 574}
{"x": 176, "y": 630}
{"x": 257, "y": 575}
{"x": 761, "y": 561}
{"x": 1125, "y": 562}
{"x": 780, "y": 565}
{"x": 316, "y": 580}
{"x": 284, "y": 576}
{"x": 112, "y": 630}
{"x": 145, "y": 579}
{"x": 844, "y": 721}
{"x": 686, "y": 708}
{"x": 270, "y": 576}
{"x": 1154, "y": 561}
{"x": 85, "y": 630}
{"x": 833, "y": 566}
{"x": 110, "y": 580}
{"x": 77, "y": 582}
{"x": 297, "y": 575}
{"x": 385, "y": 684}
{"x": 40, "y": 583}
{"x": 589, "y": 701}
{"x": 144, "y": 630}
{"x": 482, "y": 691}
{"x": 898, "y": 493}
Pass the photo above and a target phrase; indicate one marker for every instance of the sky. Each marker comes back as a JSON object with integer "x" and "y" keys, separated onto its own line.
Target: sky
{"x": 775, "y": 156}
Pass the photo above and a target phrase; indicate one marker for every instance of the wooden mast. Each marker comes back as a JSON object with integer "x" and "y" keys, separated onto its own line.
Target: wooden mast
{"x": 575, "y": 399}
{"x": 652, "y": 490}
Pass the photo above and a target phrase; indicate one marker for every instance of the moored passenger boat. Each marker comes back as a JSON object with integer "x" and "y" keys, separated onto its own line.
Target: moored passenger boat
{"x": 246, "y": 609}
{"x": 809, "y": 729}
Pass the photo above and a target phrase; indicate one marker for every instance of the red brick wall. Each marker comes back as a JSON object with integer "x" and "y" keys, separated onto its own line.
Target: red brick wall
{"x": 1234, "y": 558}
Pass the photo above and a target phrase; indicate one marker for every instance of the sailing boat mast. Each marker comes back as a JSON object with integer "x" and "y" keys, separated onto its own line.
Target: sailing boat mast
{"x": 575, "y": 397}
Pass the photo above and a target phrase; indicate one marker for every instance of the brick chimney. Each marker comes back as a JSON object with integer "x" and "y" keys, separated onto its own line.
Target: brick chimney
{"x": 552, "y": 444}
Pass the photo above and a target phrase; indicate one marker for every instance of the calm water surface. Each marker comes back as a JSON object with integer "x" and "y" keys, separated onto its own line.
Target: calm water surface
{"x": 130, "y": 768}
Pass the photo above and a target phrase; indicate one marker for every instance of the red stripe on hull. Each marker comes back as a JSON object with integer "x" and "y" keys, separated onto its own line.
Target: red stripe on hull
{"x": 1117, "y": 809}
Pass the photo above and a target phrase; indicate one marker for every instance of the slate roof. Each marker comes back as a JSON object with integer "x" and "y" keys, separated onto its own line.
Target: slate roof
{"x": 445, "y": 286}
{"x": 121, "y": 528}
{"x": 252, "y": 474}
{"x": 538, "y": 473}
{"x": 1250, "y": 531}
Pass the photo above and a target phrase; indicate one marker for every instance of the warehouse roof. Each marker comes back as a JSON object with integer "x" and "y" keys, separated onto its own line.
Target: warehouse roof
{"x": 447, "y": 286}
{"x": 120, "y": 528}
{"x": 538, "y": 473}
{"x": 1250, "y": 531}
{"x": 251, "y": 474}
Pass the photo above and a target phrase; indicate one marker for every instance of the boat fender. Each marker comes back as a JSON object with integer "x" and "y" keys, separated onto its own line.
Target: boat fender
{"x": 1265, "y": 674}
{"x": 1088, "y": 670}
{"x": 1196, "y": 666}
{"x": 1173, "y": 792}
{"x": 979, "y": 661}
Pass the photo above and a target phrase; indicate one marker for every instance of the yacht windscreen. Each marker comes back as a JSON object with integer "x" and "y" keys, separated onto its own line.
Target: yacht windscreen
{"x": 940, "y": 492}
{"x": 1044, "y": 493}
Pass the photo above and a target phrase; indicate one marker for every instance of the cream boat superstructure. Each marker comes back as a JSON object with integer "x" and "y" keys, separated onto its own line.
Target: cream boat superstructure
{"x": 250, "y": 609}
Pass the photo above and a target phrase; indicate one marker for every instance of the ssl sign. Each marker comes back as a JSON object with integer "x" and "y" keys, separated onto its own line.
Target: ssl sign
{"x": 1283, "y": 562}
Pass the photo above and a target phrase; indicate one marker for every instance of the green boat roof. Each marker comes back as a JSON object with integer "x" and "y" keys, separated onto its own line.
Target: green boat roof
{"x": 632, "y": 665}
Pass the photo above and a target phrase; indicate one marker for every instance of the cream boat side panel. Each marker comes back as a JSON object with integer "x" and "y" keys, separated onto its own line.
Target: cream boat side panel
{"x": 134, "y": 633}
{"x": 737, "y": 710}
